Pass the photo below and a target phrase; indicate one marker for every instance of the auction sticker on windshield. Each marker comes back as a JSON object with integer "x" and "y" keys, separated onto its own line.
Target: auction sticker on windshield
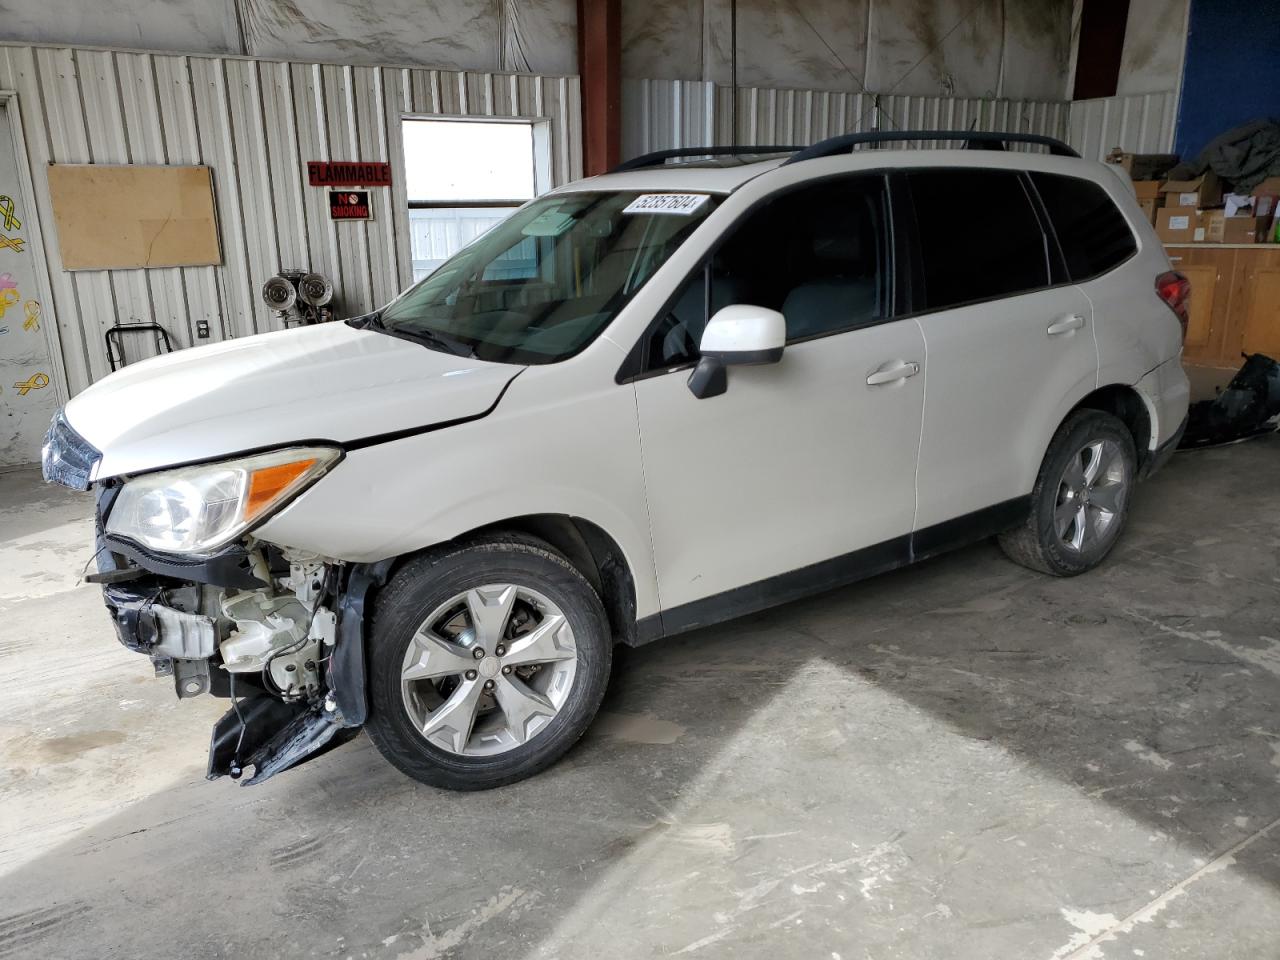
{"x": 681, "y": 204}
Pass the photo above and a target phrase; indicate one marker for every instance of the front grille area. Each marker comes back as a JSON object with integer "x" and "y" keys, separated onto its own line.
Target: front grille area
{"x": 67, "y": 458}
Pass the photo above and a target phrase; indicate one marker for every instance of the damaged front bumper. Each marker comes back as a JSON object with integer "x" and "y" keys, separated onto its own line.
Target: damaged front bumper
{"x": 282, "y": 637}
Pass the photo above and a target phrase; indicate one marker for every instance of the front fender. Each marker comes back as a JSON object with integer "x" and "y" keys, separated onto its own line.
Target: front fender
{"x": 577, "y": 458}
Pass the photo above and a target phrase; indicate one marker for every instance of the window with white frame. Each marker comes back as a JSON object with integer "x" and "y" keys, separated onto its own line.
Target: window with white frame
{"x": 465, "y": 176}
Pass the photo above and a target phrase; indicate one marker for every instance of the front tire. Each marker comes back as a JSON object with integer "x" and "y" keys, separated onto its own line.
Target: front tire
{"x": 1080, "y": 502}
{"x": 488, "y": 661}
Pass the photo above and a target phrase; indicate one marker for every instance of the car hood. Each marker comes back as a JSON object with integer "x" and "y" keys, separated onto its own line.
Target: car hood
{"x": 330, "y": 381}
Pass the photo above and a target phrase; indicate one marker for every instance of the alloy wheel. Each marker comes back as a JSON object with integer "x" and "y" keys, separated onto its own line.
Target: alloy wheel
{"x": 488, "y": 670}
{"x": 1091, "y": 495}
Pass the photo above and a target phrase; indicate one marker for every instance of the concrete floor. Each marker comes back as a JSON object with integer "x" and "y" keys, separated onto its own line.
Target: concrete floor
{"x": 963, "y": 760}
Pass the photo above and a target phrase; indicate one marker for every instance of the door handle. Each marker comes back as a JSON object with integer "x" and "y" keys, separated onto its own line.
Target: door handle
{"x": 893, "y": 374}
{"x": 1065, "y": 325}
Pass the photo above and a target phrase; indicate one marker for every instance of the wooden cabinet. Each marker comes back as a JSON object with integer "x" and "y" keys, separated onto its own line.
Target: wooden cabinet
{"x": 1235, "y": 300}
{"x": 1262, "y": 318}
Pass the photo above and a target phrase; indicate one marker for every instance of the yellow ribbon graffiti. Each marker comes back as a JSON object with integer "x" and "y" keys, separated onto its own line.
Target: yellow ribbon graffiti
{"x": 12, "y": 243}
{"x": 7, "y": 217}
{"x": 37, "y": 381}
{"x": 32, "y": 322}
{"x": 8, "y": 297}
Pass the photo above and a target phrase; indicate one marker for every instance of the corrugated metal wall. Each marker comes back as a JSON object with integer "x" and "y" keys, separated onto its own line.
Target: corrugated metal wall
{"x": 658, "y": 114}
{"x": 256, "y": 123}
{"x": 1140, "y": 123}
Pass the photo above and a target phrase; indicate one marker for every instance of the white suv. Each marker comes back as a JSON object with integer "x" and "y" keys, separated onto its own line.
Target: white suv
{"x": 646, "y": 402}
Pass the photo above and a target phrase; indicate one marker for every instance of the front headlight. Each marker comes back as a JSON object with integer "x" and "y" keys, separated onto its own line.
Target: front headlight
{"x": 199, "y": 509}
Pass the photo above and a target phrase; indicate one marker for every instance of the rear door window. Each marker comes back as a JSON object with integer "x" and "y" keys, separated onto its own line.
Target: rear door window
{"x": 1093, "y": 234}
{"x": 979, "y": 236}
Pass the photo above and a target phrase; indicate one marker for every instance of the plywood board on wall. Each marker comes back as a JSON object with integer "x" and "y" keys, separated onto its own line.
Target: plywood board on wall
{"x": 111, "y": 217}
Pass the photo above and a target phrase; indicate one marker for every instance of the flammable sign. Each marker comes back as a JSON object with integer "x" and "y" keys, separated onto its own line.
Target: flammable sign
{"x": 349, "y": 205}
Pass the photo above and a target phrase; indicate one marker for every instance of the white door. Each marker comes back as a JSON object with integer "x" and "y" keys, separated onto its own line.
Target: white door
{"x": 798, "y": 462}
{"x": 1001, "y": 370}
{"x": 27, "y": 396}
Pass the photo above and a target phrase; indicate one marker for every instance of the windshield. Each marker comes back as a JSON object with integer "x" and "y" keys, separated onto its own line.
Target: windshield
{"x": 542, "y": 284}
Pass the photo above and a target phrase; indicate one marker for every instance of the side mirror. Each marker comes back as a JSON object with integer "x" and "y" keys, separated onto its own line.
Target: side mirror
{"x": 737, "y": 334}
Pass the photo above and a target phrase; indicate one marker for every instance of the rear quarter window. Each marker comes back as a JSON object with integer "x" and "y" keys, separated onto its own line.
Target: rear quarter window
{"x": 1094, "y": 236}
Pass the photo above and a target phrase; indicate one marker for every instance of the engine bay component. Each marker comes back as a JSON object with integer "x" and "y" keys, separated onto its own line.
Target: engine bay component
{"x": 274, "y": 634}
{"x": 183, "y": 635}
{"x": 265, "y": 624}
{"x": 160, "y": 620}
{"x": 190, "y": 678}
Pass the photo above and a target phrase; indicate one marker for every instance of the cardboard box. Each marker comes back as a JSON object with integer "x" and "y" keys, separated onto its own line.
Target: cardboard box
{"x": 1211, "y": 224}
{"x": 1143, "y": 166}
{"x": 1203, "y": 191}
{"x": 1217, "y": 227}
{"x": 1149, "y": 208}
{"x": 1241, "y": 229}
{"x": 1177, "y": 225}
{"x": 1146, "y": 189}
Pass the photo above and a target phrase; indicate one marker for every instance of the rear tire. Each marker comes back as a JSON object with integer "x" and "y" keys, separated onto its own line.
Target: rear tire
{"x": 542, "y": 653}
{"x": 1080, "y": 501}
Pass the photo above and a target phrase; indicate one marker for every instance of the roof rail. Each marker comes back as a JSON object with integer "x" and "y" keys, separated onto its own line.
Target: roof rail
{"x": 658, "y": 157}
{"x": 974, "y": 140}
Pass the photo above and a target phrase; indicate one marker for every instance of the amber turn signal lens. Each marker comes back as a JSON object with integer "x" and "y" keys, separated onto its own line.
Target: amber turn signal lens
{"x": 267, "y": 484}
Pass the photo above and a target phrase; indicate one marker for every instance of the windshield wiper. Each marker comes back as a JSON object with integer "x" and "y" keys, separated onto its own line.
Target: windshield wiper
{"x": 368, "y": 321}
{"x": 428, "y": 338}
{"x": 431, "y": 339}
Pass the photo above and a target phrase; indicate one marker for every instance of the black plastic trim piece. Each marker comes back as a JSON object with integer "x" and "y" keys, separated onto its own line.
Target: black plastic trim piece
{"x": 248, "y": 725}
{"x": 969, "y": 528}
{"x": 837, "y": 572}
{"x": 228, "y": 567}
{"x": 905, "y": 251}
{"x": 833, "y": 146}
{"x": 746, "y": 358}
{"x": 1058, "y": 272}
{"x": 785, "y": 587}
{"x": 346, "y": 666}
{"x": 303, "y": 738}
{"x": 659, "y": 157}
{"x": 131, "y": 612}
{"x": 710, "y": 378}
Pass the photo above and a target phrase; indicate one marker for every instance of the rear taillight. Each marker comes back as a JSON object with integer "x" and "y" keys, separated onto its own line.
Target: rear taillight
{"x": 1175, "y": 290}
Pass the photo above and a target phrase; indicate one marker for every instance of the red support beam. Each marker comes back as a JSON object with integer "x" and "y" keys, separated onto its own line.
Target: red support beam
{"x": 600, "y": 65}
